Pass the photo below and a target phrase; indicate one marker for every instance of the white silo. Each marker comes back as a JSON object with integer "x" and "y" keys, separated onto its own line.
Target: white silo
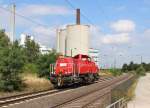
{"x": 77, "y": 39}
{"x": 62, "y": 41}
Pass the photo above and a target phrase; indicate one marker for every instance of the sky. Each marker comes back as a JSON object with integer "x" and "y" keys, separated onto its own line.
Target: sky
{"x": 120, "y": 29}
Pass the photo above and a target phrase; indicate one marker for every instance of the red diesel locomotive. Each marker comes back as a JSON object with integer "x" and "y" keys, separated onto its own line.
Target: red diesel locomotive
{"x": 70, "y": 70}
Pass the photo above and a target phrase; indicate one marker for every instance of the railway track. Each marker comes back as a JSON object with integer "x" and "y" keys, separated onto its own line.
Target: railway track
{"x": 86, "y": 100}
{"x": 26, "y": 96}
{"x": 6, "y": 101}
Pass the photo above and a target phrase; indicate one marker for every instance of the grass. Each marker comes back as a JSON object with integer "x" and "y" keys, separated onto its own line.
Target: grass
{"x": 111, "y": 72}
{"x": 131, "y": 91}
{"x": 105, "y": 73}
{"x": 126, "y": 90}
{"x": 32, "y": 84}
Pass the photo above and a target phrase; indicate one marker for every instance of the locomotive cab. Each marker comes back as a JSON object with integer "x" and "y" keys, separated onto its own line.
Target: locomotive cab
{"x": 64, "y": 66}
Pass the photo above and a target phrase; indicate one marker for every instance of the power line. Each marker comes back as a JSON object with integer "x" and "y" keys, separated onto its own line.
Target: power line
{"x": 24, "y": 17}
{"x": 71, "y": 5}
{"x": 82, "y": 14}
{"x": 101, "y": 9}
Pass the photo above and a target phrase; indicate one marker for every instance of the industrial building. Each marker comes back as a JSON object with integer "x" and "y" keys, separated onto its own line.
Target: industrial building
{"x": 23, "y": 38}
{"x": 77, "y": 40}
{"x": 61, "y": 41}
{"x": 43, "y": 49}
{"x": 94, "y": 54}
{"x": 74, "y": 39}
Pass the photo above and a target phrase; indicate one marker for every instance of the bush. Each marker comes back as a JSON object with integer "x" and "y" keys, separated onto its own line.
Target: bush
{"x": 11, "y": 84}
{"x": 44, "y": 62}
{"x": 125, "y": 68}
{"x": 15, "y": 59}
{"x": 11, "y": 62}
{"x": 115, "y": 72}
{"x": 30, "y": 68}
{"x": 140, "y": 71}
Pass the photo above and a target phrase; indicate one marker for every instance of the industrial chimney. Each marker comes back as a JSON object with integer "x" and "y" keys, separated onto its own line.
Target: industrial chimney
{"x": 78, "y": 16}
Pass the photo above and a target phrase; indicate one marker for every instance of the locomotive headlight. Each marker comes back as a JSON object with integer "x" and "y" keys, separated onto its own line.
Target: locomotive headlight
{"x": 63, "y": 64}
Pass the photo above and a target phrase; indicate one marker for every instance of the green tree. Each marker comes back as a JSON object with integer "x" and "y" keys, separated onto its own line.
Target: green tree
{"x": 125, "y": 68}
{"x": 4, "y": 40}
{"x": 44, "y": 62}
{"x": 147, "y": 67}
{"x": 12, "y": 61}
{"x": 131, "y": 66}
{"x": 31, "y": 50}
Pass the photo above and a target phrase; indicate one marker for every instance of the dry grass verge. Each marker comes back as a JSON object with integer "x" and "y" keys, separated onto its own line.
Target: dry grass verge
{"x": 105, "y": 73}
{"x": 33, "y": 83}
{"x": 126, "y": 90}
{"x": 131, "y": 91}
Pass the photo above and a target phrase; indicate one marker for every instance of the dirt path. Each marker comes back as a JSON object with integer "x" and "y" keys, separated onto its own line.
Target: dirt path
{"x": 142, "y": 94}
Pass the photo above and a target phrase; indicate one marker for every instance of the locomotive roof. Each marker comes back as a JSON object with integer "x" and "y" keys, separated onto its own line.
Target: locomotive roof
{"x": 81, "y": 55}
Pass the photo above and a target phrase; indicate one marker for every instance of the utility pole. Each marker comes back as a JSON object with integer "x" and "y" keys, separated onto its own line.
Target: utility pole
{"x": 58, "y": 41}
{"x": 141, "y": 59}
{"x": 13, "y": 9}
{"x": 115, "y": 63}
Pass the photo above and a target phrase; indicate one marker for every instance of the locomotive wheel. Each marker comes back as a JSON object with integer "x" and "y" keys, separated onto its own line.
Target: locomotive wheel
{"x": 90, "y": 78}
{"x": 96, "y": 76}
{"x": 59, "y": 82}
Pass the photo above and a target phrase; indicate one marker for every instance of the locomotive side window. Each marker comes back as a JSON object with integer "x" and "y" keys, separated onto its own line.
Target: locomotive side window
{"x": 63, "y": 64}
{"x": 84, "y": 59}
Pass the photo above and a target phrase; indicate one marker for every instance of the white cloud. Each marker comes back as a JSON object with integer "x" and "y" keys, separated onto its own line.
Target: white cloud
{"x": 121, "y": 38}
{"x": 36, "y": 10}
{"x": 45, "y": 36}
{"x": 4, "y": 18}
{"x": 44, "y": 31}
{"x": 123, "y": 26}
{"x": 98, "y": 38}
{"x": 147, "y": 33}
{"x": 95, "y": 30}
{"x": 42, "y": 34}
{"x": 95, "y": 35}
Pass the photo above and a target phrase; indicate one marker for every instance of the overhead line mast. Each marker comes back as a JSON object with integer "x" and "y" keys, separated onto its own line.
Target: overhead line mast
{"x": 13, "y": 8}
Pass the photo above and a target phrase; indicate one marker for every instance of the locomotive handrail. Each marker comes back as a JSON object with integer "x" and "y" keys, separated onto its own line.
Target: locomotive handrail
{"x": 74, "y": 68}
{"x": 52, "y": 68}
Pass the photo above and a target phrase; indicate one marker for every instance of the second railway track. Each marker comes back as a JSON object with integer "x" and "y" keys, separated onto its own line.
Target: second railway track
{"x": 85, "y": 100}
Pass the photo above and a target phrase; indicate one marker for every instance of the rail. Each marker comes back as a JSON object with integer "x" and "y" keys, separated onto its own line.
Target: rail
{"x": 6, "y": 101}
{"x": 82, "y": 96}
